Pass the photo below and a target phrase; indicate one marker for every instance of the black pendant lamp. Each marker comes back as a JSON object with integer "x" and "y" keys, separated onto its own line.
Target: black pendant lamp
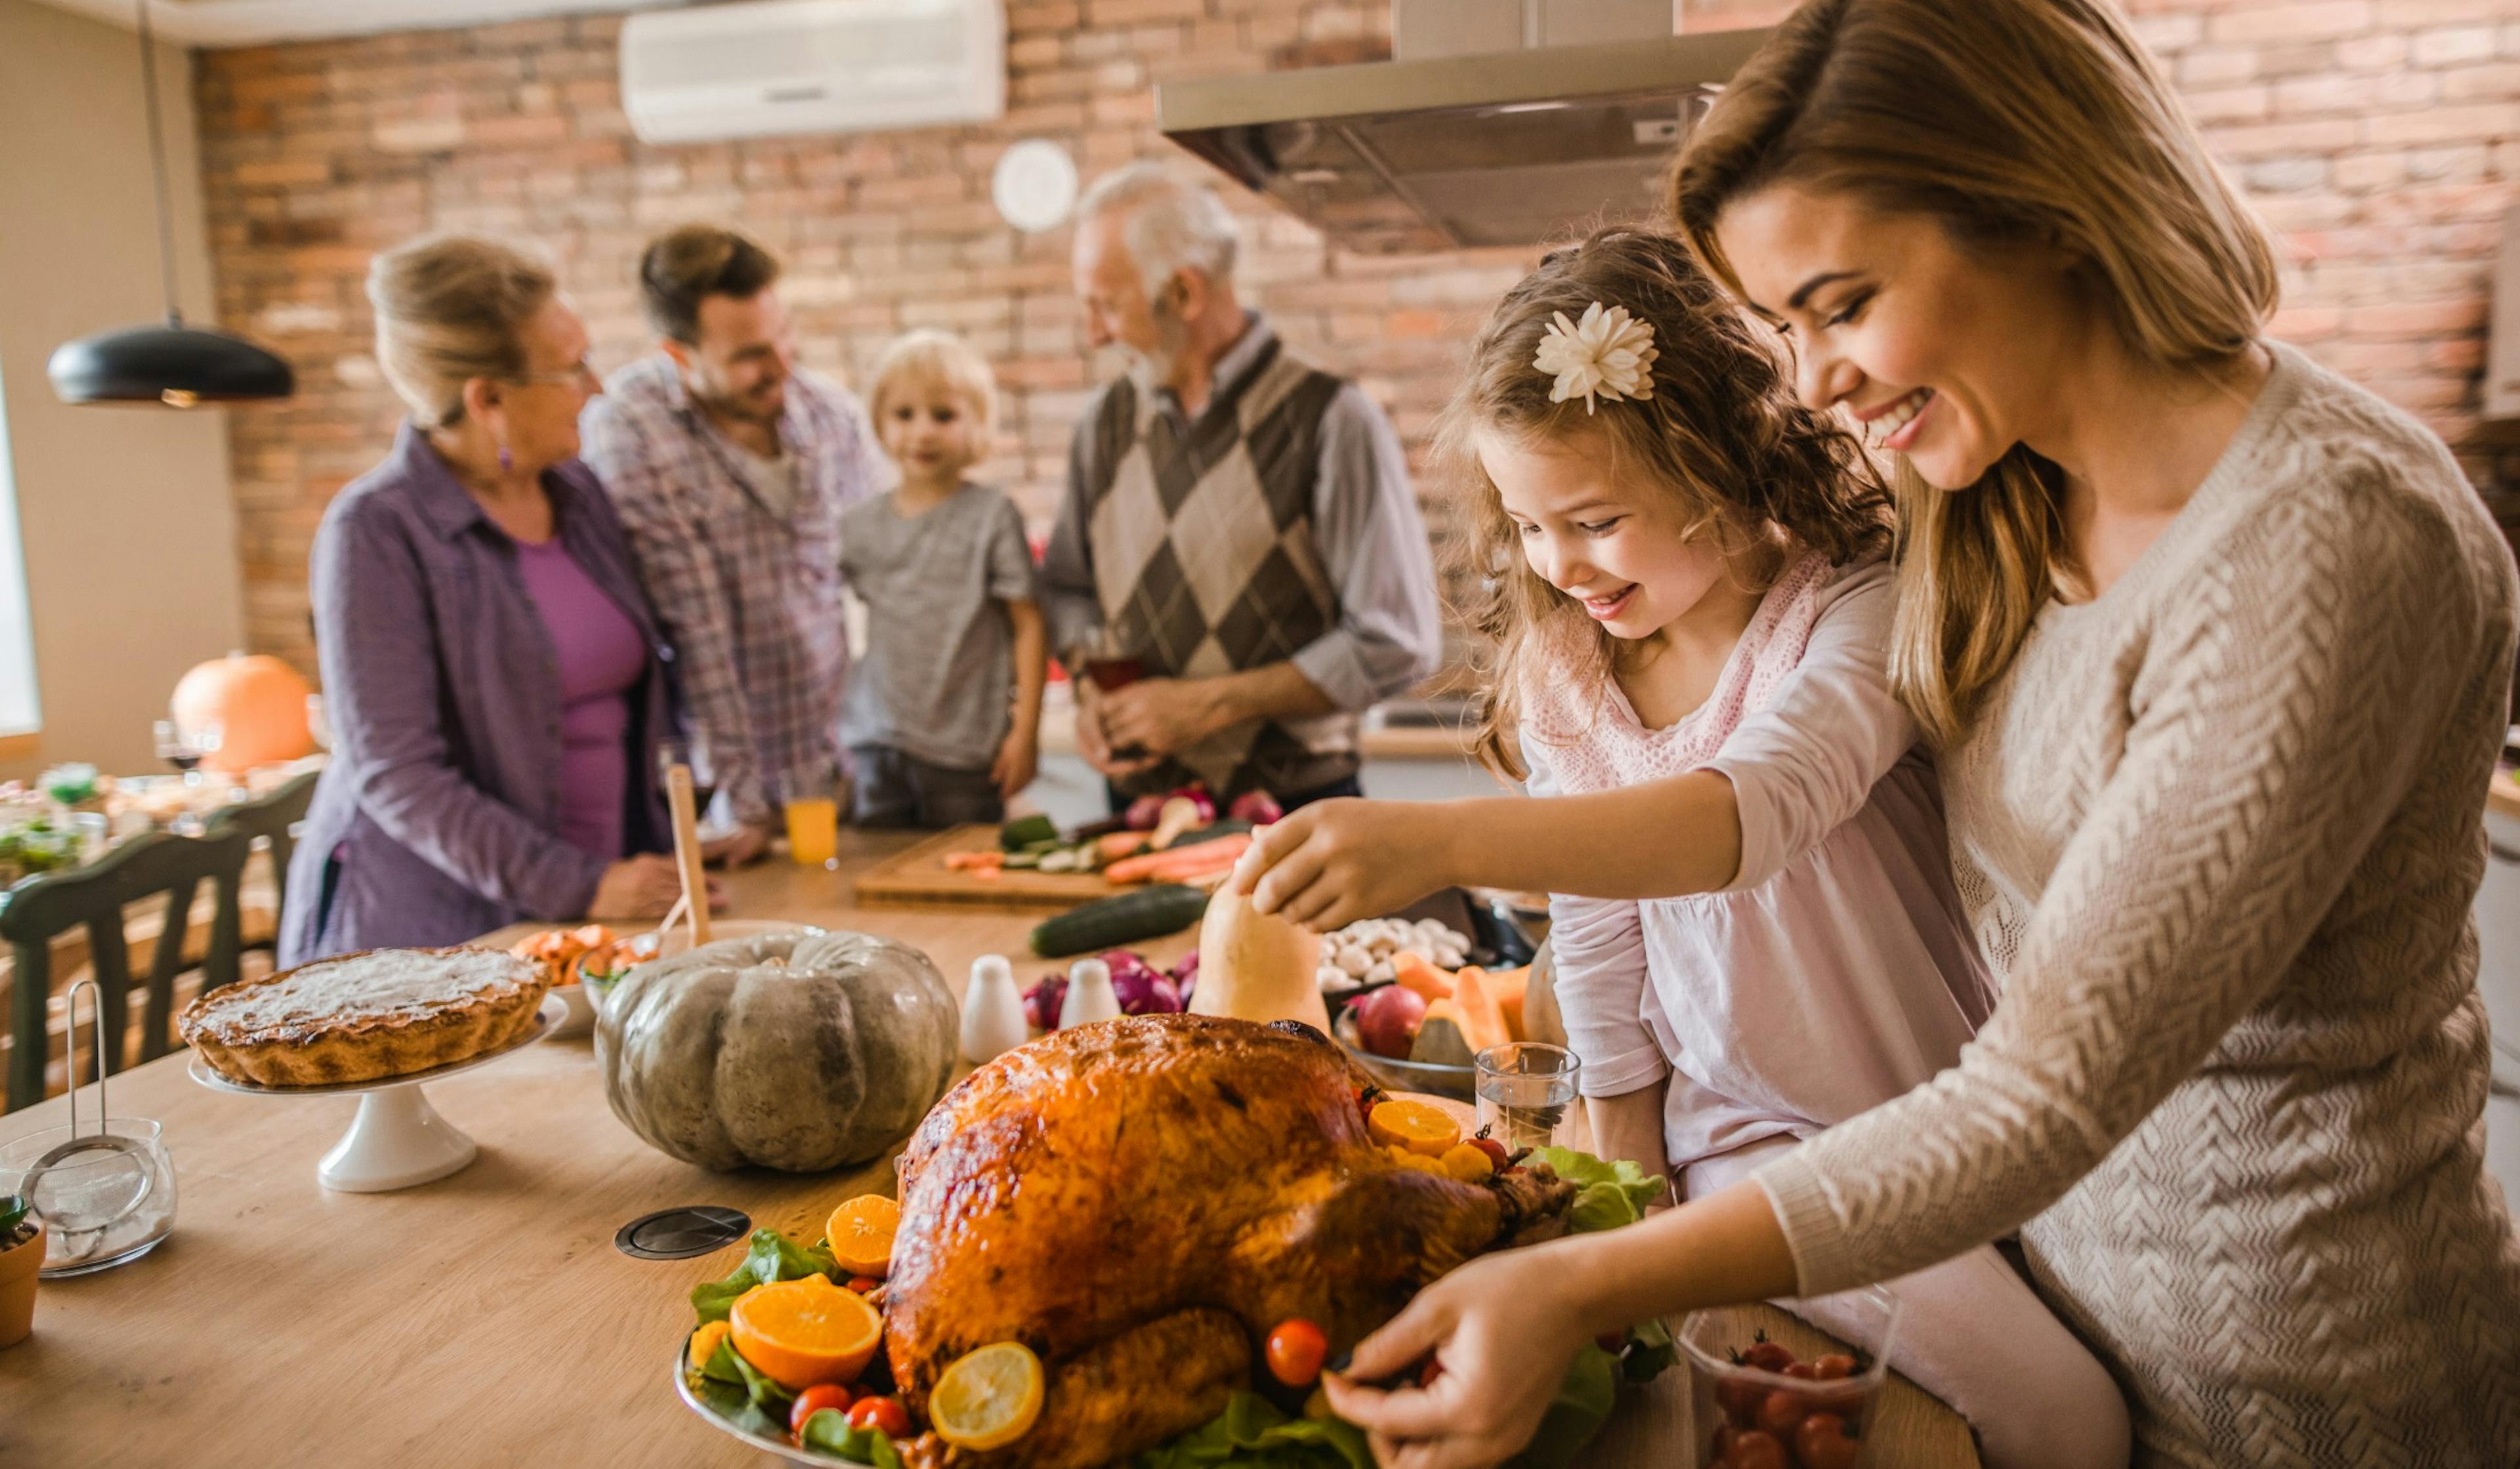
{"x": 176, "y": 364}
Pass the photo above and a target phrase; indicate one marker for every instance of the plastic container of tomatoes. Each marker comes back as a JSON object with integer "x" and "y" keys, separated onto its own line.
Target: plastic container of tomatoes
{"x": 1761, "y": 1404}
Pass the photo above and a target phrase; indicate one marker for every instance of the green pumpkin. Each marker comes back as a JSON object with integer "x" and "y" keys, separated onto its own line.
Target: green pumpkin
{"x": 801, "y": 1052}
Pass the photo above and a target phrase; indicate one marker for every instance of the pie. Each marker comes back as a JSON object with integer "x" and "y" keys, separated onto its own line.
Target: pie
{"x": 360, "y": 1017}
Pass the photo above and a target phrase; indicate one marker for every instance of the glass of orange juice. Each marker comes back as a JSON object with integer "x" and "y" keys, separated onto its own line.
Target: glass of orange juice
{"x": 814, "y": 831}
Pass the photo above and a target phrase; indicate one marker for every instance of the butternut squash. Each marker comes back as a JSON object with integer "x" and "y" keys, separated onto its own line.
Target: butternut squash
{"x": 1479, "y": 1007}
{"x": 1415, "y": 973}
{"x": 1257, "y": 967}
{"x": 1510, "y": 987}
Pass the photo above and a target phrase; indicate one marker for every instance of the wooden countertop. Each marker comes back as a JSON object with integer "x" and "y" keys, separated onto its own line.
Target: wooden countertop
{"x": 486, "y": 1319}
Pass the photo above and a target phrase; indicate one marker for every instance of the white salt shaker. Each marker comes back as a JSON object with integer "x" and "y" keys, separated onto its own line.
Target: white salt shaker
{"x": 993, "y": 1013}
{"x": 1089, "y": 994}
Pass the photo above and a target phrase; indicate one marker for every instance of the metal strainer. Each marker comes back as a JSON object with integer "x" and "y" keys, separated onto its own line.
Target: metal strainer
{"x": 88, "y": 1184}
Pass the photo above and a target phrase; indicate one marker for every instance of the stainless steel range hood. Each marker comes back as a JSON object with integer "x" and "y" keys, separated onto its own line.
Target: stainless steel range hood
{"x": 1511, "y": 148}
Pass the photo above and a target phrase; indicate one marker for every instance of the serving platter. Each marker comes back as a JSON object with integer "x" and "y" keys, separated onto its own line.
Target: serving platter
{"x": 781, "y": 1448}
{"x": 397, "y": 1139}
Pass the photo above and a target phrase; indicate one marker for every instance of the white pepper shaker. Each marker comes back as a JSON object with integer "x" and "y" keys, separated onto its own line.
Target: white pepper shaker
{"x": 993, "y": 1013}
{"x": 1090, "y": 996}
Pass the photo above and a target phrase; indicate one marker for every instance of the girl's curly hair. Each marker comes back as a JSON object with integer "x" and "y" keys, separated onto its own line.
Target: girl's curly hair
{"x": 1721, "y": 431}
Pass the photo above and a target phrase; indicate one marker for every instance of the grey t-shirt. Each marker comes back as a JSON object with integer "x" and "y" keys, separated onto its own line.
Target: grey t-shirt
{"x": 938, "y": 676}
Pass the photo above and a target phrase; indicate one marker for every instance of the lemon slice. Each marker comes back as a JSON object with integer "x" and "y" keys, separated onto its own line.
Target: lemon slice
{"x": 988, "y": 1398}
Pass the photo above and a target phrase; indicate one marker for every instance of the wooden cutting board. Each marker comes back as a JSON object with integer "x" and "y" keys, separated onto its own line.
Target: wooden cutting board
{"x": 920, "y": 878}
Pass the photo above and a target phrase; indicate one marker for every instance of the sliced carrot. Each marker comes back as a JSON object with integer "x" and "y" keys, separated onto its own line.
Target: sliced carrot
{"x": 1206, "y": 855}
{"x": 974, "y": 862}
{"x": 1116, "y": 845}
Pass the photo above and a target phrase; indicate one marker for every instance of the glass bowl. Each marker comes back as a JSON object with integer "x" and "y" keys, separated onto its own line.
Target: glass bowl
{"x": 1460, "y": 1082}
{"x": 1806, "y": 1416}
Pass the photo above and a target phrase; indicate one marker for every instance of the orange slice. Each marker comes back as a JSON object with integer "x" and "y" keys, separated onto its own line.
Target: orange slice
{"x": 806, "y": 1331}
{"x": 861, "y": 1234}
{"x": 988, "y": 1398}
{"x": 1419, "y": 1126}
{"x": 705, "y": 1343}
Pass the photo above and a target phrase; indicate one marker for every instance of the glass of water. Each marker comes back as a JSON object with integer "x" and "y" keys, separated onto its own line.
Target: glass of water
{"x": 1526, "y": 1091}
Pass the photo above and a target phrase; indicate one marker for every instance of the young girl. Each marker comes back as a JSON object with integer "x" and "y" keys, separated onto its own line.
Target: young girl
{"x": 1688, "y": 575}
{"x": 942, "y": 718}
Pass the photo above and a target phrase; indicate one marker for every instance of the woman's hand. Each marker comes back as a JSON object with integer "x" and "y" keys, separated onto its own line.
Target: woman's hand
{"x": 1335, "y": 862}
{"x": 746, "y": 843}
{"x": 1502, "y": 1337}
{"x": 1093, "y": 743}
{"x": 643, "y": 886}
{"x": 1018, "y": 761}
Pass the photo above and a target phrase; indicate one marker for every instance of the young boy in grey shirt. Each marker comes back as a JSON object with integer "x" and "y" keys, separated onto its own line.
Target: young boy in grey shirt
{"x": 942, "y": 718}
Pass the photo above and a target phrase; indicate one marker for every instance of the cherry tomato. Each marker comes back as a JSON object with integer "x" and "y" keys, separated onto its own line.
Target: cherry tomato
{"x": 1807, "y": 1371}
{"x": 885, "y": 1415}
{"x": 1740, "y": 1400}
{"x": 1495, "y": 1150}
{"x": 863, "y": 1283}
{"x": 1296, "y": 1351}
{"x": 1833, "y": 1366}
{"x": 1613, "y": 1342}
{"x": 1821, "y": 1442}
{"x": 1756, "y": 1450}
{"x": 1782, "y": 1411}
{"x": 812, "y": 1400}
{"x": 1768, "y": 1356}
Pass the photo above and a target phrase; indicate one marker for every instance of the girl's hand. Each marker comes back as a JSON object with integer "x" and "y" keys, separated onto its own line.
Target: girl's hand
{"x": 1502, "y": 1338}
{"x": 1335, "y": 862}
{"x": 1018, "y": 761}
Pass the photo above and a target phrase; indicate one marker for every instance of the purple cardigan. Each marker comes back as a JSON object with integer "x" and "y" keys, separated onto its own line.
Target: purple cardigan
{"x": 437, "y": 819}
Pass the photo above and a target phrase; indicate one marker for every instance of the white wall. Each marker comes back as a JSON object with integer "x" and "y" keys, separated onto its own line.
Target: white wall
{"x": 128, "y": 526}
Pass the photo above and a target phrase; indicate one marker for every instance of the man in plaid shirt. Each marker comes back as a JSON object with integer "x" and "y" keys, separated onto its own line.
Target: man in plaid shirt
{"x": 731, "y": 469}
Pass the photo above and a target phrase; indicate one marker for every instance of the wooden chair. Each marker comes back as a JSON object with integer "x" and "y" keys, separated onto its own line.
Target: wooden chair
{"x": 158, "y": 864}
{"x": 273, "y": 819}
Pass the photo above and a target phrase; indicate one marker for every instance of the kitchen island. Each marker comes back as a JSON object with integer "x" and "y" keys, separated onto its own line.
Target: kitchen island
{"x": 488, "y": 1319}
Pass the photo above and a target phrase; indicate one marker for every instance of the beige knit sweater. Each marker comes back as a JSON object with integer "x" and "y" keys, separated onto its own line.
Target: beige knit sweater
{"x": 2218, "y": 830}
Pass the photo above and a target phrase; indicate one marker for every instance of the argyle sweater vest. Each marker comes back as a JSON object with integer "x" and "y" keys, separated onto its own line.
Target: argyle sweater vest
{"x": 1205, "y": 564}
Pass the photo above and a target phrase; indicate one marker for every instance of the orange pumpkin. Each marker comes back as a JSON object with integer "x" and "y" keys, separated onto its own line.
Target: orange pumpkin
{"x": 258, "y": 701}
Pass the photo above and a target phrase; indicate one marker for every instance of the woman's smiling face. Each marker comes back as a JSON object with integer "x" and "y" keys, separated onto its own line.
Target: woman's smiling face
{"x": 1948, "y": 356}
{"x": 1622, "y": 552}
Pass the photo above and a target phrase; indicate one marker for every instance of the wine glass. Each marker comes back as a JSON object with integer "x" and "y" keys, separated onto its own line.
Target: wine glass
{"x": 175, "y": 746}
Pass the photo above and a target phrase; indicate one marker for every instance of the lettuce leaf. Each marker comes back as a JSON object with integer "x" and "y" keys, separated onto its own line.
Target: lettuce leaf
{"x": 736, "y": 1391}
{"x": 773, "y": 1257}
{"x": 829, "y": 1432}
{"x": 1585, "y": 1397}
{"x": 1253, "y": 1434}
{"x": 1607, "y": 1195}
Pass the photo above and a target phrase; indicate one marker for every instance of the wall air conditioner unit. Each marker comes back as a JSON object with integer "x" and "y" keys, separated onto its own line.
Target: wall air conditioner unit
{"x": 812, "y": 67}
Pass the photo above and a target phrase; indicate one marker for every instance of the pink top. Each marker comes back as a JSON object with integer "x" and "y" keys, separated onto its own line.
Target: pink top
{"x": 1836, "y": 971}
{"x": 601, "y": 660}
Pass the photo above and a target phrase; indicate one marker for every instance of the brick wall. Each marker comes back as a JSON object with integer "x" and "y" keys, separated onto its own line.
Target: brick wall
{"x": 2382, "y": 136}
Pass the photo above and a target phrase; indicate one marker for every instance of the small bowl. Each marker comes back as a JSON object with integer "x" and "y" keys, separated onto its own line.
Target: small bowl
{"x": 1460, "y": 1082}
{"x": 580, "y": 1018}
{"x": 1727, "y": 1398}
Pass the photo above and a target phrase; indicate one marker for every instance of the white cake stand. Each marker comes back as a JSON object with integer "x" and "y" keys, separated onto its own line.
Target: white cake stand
{"x": 397, "y": 1141}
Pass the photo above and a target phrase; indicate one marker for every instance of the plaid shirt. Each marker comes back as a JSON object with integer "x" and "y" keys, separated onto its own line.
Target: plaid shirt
{"x": 751, "y": 601}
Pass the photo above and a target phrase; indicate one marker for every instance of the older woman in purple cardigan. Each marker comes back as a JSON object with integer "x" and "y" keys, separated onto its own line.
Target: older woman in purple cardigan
{"x": 491, "y": 669}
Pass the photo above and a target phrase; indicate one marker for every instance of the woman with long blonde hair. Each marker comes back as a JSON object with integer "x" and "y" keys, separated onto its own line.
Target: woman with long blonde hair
{"x": 2217, "y": 648}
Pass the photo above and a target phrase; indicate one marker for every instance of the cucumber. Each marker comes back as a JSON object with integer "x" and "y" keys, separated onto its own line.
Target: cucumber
{"x": 1025, "y": 831}
{"x": 1110, "y": 922}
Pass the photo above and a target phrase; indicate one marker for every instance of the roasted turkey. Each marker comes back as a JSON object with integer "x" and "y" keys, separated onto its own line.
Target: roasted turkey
{"x": 1141, "y": 1202}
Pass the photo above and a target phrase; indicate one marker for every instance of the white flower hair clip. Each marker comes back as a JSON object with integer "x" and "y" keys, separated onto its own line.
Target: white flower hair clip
{"x": 1607, "y": 354}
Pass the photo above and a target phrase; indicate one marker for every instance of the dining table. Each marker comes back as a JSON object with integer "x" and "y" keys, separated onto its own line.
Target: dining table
{"x": 488, "y": 1318}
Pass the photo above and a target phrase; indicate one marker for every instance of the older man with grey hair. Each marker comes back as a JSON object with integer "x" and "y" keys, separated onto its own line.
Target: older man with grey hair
{"x": 1238, "y": 567}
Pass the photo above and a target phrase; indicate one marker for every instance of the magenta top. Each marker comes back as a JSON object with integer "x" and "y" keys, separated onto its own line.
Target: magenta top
{"x": 601, "y": 660}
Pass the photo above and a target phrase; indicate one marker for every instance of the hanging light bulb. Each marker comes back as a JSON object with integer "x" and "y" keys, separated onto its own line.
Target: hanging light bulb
{"x": 173, "y": 364}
